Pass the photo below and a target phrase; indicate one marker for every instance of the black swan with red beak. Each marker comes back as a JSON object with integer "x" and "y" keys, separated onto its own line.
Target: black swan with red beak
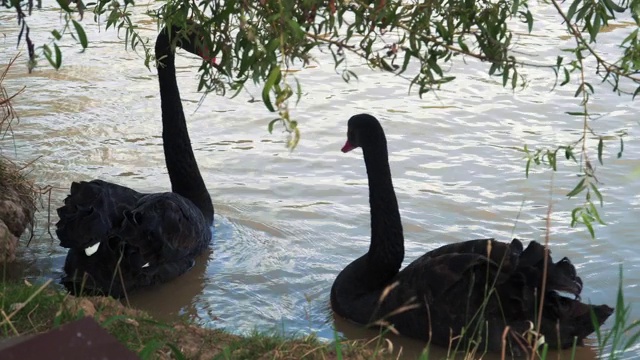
{"x": 120, "y": 240}
{"x": 478, "y": 291}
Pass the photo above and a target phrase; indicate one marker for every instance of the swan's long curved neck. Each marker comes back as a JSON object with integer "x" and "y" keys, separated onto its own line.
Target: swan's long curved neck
{"x": 184, "y": 174}
{"x": 386, "y": 251}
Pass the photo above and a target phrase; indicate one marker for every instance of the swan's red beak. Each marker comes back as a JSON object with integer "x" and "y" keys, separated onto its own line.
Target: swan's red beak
{"x": 347, "y": 147}
{"x": 205, "y": 56}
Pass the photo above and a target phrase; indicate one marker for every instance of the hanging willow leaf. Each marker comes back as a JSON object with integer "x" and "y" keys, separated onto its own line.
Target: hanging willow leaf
{"x": 268, "y": 86}
{"x": 600, "y": 147}
{"x": 82, "y": 36}
{"x": 578, "y": 189}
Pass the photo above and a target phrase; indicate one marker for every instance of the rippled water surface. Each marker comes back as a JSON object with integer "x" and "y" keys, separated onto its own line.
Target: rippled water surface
{"x": 288, "y": 222}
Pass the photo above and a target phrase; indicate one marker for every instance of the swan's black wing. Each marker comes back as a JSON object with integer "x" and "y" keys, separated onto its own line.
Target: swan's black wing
{"x": 141, "y": 239}
{"x": 92, "y": 211}
{"x": 165, "y": 227}
{"x": 471, "y": 284}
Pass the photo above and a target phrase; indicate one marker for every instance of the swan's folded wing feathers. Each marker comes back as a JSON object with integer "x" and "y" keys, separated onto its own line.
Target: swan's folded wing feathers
{"x": 90, "y": 212}
{"x": 498, "y": 252}
{"x": 163, "y": 228}
{"x": 435, "y": 276}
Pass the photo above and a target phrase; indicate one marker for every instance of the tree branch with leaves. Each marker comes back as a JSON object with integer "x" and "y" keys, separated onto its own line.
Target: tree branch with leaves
{"x": 261, "y": 41}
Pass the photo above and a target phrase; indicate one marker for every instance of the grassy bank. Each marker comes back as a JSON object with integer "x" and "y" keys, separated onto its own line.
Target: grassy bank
{"x": 28, "y": 309}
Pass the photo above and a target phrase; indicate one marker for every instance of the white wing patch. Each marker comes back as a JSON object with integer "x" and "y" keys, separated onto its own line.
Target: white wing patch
{"x": 92, "y": 249}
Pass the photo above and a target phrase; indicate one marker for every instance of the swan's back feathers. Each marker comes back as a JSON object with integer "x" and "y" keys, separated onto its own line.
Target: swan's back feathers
{"x": 449, "y": 287}
{"x": 165, "y": 227}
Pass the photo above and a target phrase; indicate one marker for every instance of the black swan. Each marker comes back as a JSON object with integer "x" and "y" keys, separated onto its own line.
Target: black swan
{"x": 120, "y": 240}
{"x": 477, "y": 288}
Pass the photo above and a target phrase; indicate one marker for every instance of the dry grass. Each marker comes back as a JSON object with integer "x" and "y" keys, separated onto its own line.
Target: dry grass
{"x": 7, "y": 113}
{"x": 16, "y": 185}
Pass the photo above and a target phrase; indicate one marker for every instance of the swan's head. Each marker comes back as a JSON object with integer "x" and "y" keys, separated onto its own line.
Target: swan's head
{"x": 363, "y": 130}
{"x": 191, "y": 37}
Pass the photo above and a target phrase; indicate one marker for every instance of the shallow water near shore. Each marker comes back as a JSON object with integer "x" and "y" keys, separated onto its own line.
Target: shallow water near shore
{"x": 288, "y": 222}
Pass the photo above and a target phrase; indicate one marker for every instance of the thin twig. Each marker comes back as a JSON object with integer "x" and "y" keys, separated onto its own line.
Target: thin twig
{"x": 545, "y": 264}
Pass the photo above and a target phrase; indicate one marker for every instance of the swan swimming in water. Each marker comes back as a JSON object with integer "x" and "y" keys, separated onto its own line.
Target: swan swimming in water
{"x": 120, "y": 240}
{"x": 484, "y": 287}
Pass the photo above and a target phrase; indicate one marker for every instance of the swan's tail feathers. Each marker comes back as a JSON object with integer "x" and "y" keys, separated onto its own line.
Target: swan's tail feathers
{"x": 565, "y": 318}
{"x": 560, "y": 276}
{"x": 567, "y": 321}
{"x": 90, "y": 212}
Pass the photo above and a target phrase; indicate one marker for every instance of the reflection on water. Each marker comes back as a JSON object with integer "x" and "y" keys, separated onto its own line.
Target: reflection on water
{"x": 176, "y": 298}
{"x": 288, "y": 222}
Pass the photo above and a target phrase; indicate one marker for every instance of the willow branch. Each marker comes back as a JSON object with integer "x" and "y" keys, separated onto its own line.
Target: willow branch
{"x": 610, "y": 68}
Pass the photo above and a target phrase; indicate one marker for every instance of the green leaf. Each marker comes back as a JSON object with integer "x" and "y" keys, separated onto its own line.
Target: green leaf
{"x": 274, "y": 75}
{"x": 574, "y": 216}
{"x": 633, "y": 340}
{"x": 572, "y": 8}
{"x": 579, "y": 90}
{"x": 526, "y": 171}
{"x": 590, "y": 87}
{"x": 600, "y": 147}
{"x": 58, "y": 56}
{"x": 298, "y": 91}
{"x": 515, "y": 5}
{"x": 578, "y": 189}
{"x": 575, "y": 113}
{"x": 46, "y": 51}
{"x": 56, "y": 34}
{"x": 621, "y": 148}
{"x": 272, "y": 123}
{"x": 82, "y": 36}
{"x": 462, "y": 45}
{"x": 566, "y": 77}
{"x": 613, "y": 6}
{"x": 594, "y": 29}
{"x": 64, "y": 5}
{"x": 597, "y": 192}
{"x": 568, "y": 153}
{"x": 587, "y": 222}
{"x": 505, "y": 76}
{"x": 493, "y": 68}
{"x": 529, "y": 19}
{"x": 407, "y": 58}
{"x": 386, "y": 66}
{"x": 552, "y": 160}
{"x": 593, "y": 211}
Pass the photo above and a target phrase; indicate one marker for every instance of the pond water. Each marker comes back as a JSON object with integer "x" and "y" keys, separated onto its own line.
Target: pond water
{"x": 288, "y": 222}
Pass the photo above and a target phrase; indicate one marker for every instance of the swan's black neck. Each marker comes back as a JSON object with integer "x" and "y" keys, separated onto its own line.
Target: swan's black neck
{"x": 387, "y": 241}
{"x": 181, "y": 163}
